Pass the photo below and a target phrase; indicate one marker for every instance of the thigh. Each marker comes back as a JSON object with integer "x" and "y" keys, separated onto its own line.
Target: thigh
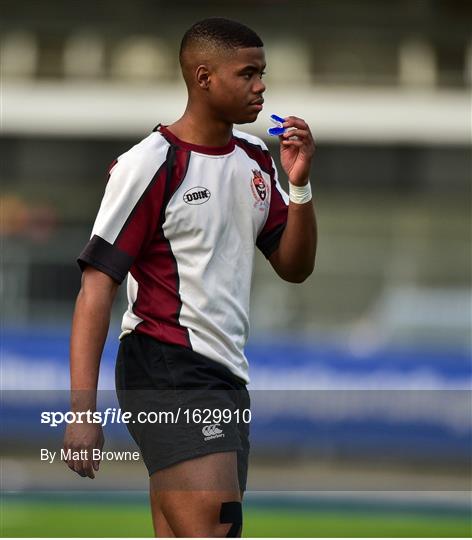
{"x": 191, "y": 494}
{"x": 244, "y": 419}
{"x": 162, "y": 528}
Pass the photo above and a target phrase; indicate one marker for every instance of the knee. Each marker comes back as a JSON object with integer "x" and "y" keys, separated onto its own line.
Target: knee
{"x": 228, "y": 524}
{"x": 231, "y": 513}
{"x": 207, "y": 517}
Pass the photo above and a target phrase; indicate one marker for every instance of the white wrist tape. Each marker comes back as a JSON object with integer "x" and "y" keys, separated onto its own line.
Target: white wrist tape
{"x": 300, "y": 194}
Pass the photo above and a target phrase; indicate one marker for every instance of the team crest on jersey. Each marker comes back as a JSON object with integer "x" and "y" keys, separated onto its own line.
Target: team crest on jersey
{"x": 259, "y": 189}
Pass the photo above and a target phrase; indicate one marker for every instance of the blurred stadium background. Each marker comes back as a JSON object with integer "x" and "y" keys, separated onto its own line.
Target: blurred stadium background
{"x": 360, "y": 376}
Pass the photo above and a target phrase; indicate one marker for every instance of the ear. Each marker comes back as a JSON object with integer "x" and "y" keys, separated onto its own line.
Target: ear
{"x": 202, "y": 76}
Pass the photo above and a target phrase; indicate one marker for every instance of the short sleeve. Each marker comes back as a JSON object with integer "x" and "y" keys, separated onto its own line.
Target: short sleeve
{"x": 269, "y": 238}
{"x": 128, "y": 217}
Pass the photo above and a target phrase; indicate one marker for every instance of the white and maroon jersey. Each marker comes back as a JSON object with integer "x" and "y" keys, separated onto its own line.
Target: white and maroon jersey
{"x": 182, "y": 222}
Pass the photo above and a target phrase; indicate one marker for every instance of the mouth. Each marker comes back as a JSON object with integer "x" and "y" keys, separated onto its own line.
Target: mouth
{"x": 257, "y": 103}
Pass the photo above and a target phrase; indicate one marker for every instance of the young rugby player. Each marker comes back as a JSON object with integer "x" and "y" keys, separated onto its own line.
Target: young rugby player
{"x": 181, "y": 216}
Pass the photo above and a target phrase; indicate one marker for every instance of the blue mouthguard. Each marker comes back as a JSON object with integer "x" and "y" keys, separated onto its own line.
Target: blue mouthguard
{"x": 277, "y": 119}
{"x": 279, "y": 129}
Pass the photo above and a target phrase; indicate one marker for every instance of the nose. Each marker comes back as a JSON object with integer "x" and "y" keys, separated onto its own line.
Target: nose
{"x": 259, "y": 87}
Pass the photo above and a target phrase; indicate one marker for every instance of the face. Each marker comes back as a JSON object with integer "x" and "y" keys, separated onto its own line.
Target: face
{"x": 235, "y": 86}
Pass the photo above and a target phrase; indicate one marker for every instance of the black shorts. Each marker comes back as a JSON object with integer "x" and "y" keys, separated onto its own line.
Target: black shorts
{"x": 182, "y": 404}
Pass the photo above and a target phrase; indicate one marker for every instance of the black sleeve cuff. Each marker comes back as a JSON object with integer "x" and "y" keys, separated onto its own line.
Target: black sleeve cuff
{"x": 105, "y": 257}
{"x": 270, "y": 242}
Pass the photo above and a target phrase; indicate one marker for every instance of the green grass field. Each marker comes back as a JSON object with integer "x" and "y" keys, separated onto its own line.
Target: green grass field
{"x": 72, "y": 515}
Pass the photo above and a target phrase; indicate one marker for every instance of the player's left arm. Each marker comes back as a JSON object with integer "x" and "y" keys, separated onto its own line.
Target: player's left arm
{"x": 294, "y": 259}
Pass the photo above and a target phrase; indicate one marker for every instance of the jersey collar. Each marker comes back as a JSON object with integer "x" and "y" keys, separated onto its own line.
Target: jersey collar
{"x": 211, "y": 150}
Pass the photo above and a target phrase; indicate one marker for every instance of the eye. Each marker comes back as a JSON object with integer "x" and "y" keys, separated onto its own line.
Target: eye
{"x": 250, "y": 74}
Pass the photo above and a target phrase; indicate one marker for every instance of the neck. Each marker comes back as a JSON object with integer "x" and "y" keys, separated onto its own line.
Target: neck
{"x": 198, "y": 126}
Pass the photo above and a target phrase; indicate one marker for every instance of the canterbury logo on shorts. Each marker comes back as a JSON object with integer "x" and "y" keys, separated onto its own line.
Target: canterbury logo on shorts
{"x": 212, "y": 432}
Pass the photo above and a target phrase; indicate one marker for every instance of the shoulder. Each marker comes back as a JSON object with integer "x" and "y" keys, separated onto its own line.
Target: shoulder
{"x": 255, "y": 149}
{"x": 133, "y": 170}
{"x": 247, "y": 138}
{"x": 149, "y": 153}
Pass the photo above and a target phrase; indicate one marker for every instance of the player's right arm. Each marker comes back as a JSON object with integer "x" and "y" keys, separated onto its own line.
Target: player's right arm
{"x": 89, "y": 331}
{"x": 128, "y": 216}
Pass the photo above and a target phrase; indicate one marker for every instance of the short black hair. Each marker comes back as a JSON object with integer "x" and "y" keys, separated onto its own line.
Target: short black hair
{"x": 220, "y": 32}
